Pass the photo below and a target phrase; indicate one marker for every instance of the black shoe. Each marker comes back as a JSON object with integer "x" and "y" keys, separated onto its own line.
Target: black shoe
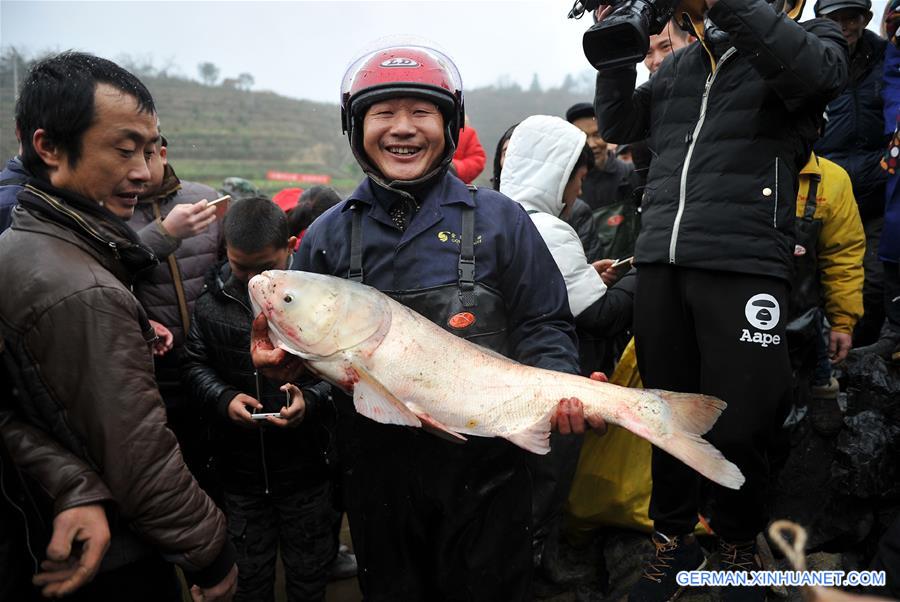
{"x": 673, "y": 555}
{"x": 740, "y": 556}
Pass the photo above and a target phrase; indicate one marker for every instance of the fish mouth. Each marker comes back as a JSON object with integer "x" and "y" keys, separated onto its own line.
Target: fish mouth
{"x": 260, "y": 287}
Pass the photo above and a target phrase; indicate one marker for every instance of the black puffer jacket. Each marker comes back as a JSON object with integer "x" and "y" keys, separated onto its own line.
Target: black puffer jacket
{"x": 218, "y": 367}
{"x": 854, "y": 136}
{"x": 728, "y": 144}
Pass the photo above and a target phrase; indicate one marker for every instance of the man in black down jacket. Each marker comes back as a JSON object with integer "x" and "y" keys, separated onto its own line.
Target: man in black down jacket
{"x": 273, "y": 471}
{"x": 854, "y": 138}
{"x": 730, "y": 121}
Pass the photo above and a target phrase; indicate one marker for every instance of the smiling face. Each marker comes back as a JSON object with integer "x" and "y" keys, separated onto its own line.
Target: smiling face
{"x": 115, "y": 150}
{"x": 667, "y": 42}
{"x": 598, "y": 145}
{"x": 404, "y": 137}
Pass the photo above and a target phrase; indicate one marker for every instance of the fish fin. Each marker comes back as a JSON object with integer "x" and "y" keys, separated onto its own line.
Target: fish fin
{"x": 692, "y": 415}
{"x": 373, "y": 400}
{"x": 703, "y": 457}
{"x": 535, "y": 438}
{"x": 691, "y": 412}
{"x": 440, "y": 430}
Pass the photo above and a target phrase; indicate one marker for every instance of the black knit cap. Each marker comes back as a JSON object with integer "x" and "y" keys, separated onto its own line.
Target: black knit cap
{"x": 579, "y": 110}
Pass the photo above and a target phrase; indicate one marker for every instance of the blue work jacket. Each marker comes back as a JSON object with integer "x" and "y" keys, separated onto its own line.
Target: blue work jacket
{"x": 510, "y": 258}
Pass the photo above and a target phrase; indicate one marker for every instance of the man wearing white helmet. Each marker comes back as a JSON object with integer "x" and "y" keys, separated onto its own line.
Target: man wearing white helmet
{"x": 431, "y": 519}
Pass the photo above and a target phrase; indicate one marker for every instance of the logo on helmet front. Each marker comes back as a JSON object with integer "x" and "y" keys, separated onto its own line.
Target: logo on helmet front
{"x": 399, "y": 62}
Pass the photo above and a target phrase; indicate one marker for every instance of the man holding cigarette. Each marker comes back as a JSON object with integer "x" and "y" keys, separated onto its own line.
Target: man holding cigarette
{"x": 177, "y": 221}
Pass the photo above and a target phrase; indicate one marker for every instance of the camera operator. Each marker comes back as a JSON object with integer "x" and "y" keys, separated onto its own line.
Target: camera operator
{"x": 730, "y": 122}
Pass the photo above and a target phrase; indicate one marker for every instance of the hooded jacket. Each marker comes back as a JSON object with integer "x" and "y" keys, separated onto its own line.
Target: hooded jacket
{"x": 542, "y": 153}
{"x": 540, "y": 158}
{"x": 80, "y": 341}
{"x": 731, "y": 122}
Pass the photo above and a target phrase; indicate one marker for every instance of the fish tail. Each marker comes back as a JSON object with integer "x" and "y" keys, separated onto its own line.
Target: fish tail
{"x": 691, "y": 412}
{"x": 692, "y": 415}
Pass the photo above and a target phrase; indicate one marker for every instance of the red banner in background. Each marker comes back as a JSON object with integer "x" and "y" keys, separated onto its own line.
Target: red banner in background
{"x": 306, "y": 178}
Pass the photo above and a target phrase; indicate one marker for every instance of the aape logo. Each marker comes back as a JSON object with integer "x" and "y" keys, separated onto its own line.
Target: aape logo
{"x": 763, "y": 313}
{"x": 763, "y": 339}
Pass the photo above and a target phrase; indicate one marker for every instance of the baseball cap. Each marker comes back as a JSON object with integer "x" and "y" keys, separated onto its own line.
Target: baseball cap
{"x": 579, "y": 110}
{"x": 825, "y": 7}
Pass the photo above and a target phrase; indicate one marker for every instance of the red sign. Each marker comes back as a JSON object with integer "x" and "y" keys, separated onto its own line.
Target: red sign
{"x": 306, "y": 178}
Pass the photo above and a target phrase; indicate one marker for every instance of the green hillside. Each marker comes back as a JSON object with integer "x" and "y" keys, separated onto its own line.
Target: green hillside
{"x": 215, "y": 132}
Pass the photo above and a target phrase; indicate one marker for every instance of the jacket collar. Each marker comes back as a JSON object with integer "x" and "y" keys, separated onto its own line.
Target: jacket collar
{"x": 84, "y": 222}
{"x": 447, "y": 190}
{"x": 170, "y": 185}
{"x": 812, "y": 166}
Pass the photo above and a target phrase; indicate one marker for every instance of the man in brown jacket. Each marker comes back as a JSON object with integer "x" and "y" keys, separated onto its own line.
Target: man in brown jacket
{"x": 80, "y": 340}
{"x": 173, "y": 218}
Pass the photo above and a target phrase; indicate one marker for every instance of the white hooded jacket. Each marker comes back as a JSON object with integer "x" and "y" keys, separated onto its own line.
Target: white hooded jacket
{"x": 542, "y": 152}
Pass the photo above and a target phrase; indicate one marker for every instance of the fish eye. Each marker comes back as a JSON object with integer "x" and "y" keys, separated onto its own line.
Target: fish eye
{"x": 288, "y": 298}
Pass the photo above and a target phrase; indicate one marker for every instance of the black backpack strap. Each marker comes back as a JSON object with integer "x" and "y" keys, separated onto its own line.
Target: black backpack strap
{"x": 810, "y": 210}
{"x": 467, "y": 255}
{"x": 356, "y": 271}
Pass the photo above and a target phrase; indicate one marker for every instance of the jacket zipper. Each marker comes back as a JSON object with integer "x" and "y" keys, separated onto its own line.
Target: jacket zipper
{"x": 78, "y": 219}
{"x": 262, "y": 440}
{"x": 775, "y": 214}
{"x": 682, "y": 193}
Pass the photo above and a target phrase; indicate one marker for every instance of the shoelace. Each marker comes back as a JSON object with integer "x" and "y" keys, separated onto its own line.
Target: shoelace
{"x": 738, "y": 557}
{"x": 656, "y": 569}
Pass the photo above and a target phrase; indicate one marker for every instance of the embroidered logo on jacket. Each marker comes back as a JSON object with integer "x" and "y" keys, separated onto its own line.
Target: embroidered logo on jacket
{"x": 461, "y": 320}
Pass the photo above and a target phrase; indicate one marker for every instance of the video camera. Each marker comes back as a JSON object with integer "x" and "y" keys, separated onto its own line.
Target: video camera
{"x": 623, "y": 37}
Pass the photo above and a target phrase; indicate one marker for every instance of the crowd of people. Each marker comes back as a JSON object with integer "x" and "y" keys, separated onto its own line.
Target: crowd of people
{"x": 732, "y": 226}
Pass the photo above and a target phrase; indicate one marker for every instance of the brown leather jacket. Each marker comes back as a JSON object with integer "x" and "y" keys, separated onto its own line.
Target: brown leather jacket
{"x": 80, "y": 342}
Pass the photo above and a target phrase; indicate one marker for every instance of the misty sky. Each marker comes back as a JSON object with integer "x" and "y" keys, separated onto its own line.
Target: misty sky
{"x": 301, "y": 48}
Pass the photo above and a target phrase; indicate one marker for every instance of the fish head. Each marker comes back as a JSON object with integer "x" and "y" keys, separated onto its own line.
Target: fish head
{"x": 315, "y": 316}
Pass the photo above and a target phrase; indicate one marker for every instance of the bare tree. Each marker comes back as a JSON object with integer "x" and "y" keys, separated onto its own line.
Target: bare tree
{"x": 209, "y": 73}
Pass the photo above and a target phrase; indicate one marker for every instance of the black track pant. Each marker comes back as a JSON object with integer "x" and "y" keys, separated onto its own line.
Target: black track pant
{"x": 722, "y": 334}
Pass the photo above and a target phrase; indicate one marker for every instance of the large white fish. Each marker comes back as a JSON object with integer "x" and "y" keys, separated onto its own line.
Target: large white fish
{"x": 403, "y": 369}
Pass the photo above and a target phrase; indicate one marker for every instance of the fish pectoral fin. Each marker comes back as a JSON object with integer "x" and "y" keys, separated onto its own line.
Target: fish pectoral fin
{"x": 535, "y": 438}
{"x": 440, "y": 430}
{"x": 374, "y": 401}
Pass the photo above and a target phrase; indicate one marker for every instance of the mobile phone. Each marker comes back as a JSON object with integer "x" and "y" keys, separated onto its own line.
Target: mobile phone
{"x": 221, "y": 199}
{"x": 264, "y": 415}
{"x": 622, "y": 262}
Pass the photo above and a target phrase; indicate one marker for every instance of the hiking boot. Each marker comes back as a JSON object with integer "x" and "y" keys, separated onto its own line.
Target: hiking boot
{"x": 740, "y": 556}
{"x": 825, "y": 414}
{"x": 673, "y": 555}
{"x": 343, "y": 566}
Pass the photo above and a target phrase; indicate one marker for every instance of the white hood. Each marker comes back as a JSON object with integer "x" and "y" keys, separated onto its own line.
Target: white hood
{"x": 540, "y": 157}
{"x": 539, "y": 160}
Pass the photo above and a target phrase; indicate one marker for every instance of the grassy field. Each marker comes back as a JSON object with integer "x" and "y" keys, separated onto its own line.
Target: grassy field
{"x": 212, "y": 173}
